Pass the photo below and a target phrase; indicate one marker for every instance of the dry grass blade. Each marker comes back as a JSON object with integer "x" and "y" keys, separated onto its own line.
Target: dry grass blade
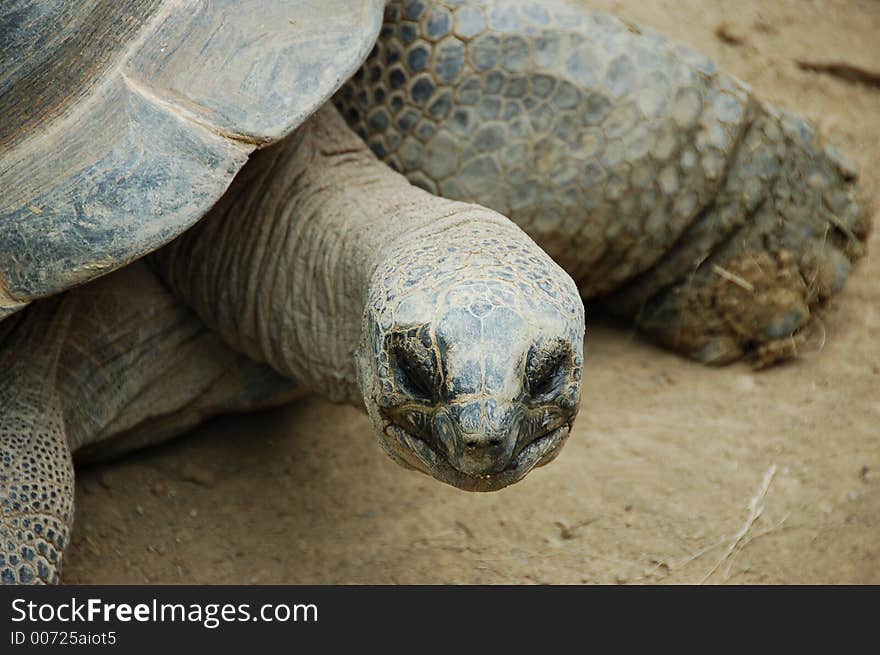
{"x": 733, "y": 277}
{"x": 756, "y": 508}
{"x": 843, "y": 71}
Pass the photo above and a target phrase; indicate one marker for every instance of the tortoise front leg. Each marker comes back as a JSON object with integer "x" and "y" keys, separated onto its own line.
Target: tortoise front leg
{"x": 36, "y": 472}
{"x": 109, "y": 367}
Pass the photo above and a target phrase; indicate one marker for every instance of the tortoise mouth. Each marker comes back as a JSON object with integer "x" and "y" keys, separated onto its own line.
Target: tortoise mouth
{"x": 417, "y": 453}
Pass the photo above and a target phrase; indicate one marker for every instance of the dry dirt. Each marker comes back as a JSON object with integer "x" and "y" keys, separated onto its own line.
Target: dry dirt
{"x": 654, "y": 486}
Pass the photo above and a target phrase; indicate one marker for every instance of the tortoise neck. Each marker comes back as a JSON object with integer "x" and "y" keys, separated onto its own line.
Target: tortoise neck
{"x": 281, "y": 267}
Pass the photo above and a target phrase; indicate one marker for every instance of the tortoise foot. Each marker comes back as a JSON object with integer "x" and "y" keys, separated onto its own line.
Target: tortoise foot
{"x": 792, "y": 226}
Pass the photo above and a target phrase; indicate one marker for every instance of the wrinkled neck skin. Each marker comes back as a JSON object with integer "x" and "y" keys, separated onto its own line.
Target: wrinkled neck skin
{"x": 318, "y": 252}
{"x": 281, "y": 266}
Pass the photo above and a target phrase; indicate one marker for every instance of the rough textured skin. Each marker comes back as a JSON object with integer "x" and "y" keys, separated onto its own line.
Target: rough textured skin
{"x": 118, "y": 358}
{"x": 138, "y": 367}
{"x": 123, "y": 122}
{"x": 36, "y": 472}
{"x": 481, "y": 379}
{"x": 656, "y": 181}
{"x": 453, "y": 308}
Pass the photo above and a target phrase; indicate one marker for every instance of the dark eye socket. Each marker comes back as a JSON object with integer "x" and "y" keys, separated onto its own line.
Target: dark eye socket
{"x": 547, "y": 369}
{"x": 414, "y": 367}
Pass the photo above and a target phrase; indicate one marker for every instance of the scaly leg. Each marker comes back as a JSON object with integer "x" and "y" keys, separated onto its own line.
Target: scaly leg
{"x": 109, "y": 367}
{"x": 36, "y": 473}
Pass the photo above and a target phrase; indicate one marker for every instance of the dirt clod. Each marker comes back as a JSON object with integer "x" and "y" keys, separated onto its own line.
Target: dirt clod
{"x": 730, "y": 34}
{"x": 198, "y": 475}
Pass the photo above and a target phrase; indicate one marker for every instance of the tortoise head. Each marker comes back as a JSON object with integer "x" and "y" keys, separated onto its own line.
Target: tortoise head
{"x": 471, "y": 355}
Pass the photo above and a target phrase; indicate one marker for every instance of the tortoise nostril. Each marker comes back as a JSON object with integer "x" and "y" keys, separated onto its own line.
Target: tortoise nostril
{"x": 481, "y": 454}
{"x": 473, "y": 443}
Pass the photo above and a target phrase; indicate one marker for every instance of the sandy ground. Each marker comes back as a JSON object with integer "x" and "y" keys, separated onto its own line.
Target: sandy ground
{"x": 654, "y": 486}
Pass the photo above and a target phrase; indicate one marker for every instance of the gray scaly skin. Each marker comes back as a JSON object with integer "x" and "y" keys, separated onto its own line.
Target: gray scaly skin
{"x": 36, "y": 471}
{"x": 662, "y": 185}
{"x": 106, "y": 368}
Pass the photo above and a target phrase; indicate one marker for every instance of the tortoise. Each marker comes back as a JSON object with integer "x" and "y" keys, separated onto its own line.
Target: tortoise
{"x": 189, "y": 227}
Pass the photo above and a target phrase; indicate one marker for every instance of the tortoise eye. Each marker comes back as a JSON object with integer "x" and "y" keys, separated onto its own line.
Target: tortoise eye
{"x": 414, "y": 368}
{"x": 547, "y": 370}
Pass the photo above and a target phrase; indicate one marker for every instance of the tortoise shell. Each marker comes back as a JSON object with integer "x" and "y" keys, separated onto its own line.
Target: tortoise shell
{"x": 123, "y": 122}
